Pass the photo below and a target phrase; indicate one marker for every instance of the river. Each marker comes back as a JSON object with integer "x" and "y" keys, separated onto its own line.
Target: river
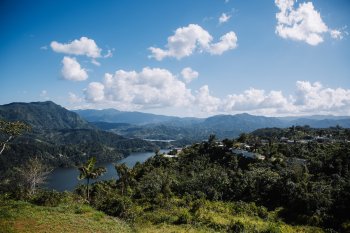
{"x": 62, "y": 179}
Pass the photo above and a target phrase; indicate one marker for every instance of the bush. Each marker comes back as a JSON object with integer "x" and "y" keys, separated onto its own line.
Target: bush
{"x": 118, "y": 206}
{"x": 51, "y": 198}
{"x": 236, "y": 227}
{"x": 273, "y": 228}
{"x": 184, "y": 218}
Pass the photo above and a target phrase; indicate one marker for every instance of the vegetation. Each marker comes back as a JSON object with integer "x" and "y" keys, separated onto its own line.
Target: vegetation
{"x": 88, "y": 171}
{"x": 9, "y": 130}
{"x": 71, "y": 215}
{"x": 300, "y": 182}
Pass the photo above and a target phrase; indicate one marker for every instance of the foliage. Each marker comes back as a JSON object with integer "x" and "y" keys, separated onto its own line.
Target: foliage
{"x": 10, "y": 130}
{"x": 88, "y": 171}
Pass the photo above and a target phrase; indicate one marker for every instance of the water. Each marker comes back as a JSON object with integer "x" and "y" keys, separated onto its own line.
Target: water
{"x": 62, "y": 179}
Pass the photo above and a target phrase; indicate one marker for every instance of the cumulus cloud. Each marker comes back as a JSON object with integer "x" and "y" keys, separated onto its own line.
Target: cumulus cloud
{"x": 309, "y": 98}
{"x": 227, "y": 42}
{"x": 83, "y": 46}
{"x": 94, "y": 92}
{"x": 159, "y": 88}
{"x": 257, "y": 101}
{"x": 187, "y": 40}
{"x": 314, "y": 97}
{"x": 188, "y": 74}
{"x": 149, "y": 88}
{"x": 206, "y": 102}
{"x": 302, "y": 24}
{"x": 72, "y": 70}
{"x": 224, "y": 18}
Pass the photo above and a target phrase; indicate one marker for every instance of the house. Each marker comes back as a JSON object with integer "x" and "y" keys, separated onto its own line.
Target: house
{"x": 248, "y": 154}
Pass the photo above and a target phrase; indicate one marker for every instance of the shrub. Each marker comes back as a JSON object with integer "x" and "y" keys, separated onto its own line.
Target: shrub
{"x": 236, "y": 227}
{"x": 184, "y": 218}
{"x": 51, "y": 198}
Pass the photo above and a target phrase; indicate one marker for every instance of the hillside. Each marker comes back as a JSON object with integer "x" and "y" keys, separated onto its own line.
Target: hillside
{"x": 74, "y": 217}
{"x": 61, "y": 137}
{"x": 43, "y": 116}
{"x": 18, "y": 216}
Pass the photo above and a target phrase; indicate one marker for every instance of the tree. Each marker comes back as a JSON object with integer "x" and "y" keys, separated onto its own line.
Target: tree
{"x": 9, "y": 130}
{"x": 89, "y": 171}
{"x": 125, "y": 176}
{"x": 32, "y": 175}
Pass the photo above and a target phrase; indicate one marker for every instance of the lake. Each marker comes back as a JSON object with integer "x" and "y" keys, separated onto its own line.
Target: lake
{"x": 62, "y": 179}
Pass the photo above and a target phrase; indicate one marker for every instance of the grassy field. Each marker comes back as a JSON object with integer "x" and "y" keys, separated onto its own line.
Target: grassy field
{"x": 19, "y": 216}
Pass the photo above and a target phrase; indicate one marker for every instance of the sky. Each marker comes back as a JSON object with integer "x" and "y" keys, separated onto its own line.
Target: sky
{"x": 185, "y": 58}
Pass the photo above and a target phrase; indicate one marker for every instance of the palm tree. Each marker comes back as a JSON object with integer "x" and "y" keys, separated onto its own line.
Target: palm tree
{"x": 125, "y": 176}
{"x": 88, "y": 171}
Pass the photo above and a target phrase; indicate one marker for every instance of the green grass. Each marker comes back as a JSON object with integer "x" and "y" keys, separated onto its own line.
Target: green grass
{"x": 175, "y": 216}
{"x": 18, "y": 216}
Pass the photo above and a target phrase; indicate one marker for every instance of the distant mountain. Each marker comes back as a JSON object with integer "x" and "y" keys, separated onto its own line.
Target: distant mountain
{"x": 195, "y": 129}
{"x": 324, "y": 123}
{"x": 242, "y": 122}
{"x": 43, "y": 116}
{"x": 115, "y": 116}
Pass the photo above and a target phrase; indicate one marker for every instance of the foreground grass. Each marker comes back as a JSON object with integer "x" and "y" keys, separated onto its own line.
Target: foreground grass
{"x": 218, "y": 216}
{"x": 18, "y": 216}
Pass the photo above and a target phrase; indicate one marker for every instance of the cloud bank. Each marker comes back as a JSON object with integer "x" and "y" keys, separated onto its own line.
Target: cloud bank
{"x": 159, "y": 88}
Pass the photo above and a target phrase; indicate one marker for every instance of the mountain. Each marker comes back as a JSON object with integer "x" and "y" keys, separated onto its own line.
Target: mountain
{"x": 242, "y": 122}
{"x": 196, "y": 129}
{"x": 115, "y": 116}
{"x": 43, "y": 116}
{"x": 61, "y": 137}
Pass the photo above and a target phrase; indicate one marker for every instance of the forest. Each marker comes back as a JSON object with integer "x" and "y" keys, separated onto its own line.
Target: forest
{"x": 300, "y": 183}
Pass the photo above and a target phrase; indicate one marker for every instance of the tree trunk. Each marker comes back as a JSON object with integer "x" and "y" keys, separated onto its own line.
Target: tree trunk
{"x": 87, "y": 190}
{"x": 4, "y": 145}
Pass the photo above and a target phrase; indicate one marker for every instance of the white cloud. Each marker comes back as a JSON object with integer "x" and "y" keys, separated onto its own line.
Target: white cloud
{"x": 155, "y": 88}
{"x": 83, "y": 46}
{"x": 188, "y": 74}
{"x": 187, "y": 40}
{"x": 302, "y": 24}
{"x": 224, "y": 18}
{"x": 94, "y": 92}
{"x": 150, "y": 88}
{"x": 72, "y": 70}
{"x": 309, "y": 98}
{"x": 206, "y": 102}
{"x": 227, "y": 42}
{"x": 314, "y": 97}
{"x": 73, "y": 98}
{"x": 336, "y": 34}
{"x": 257, "y": 100}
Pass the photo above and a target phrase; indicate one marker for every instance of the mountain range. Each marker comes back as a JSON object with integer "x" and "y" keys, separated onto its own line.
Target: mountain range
{"x": 66, "y": 138}
{"x": 152, "y": 126}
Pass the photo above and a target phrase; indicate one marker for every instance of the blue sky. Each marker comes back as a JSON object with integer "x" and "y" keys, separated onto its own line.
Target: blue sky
{"x": 185, "y": 58}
